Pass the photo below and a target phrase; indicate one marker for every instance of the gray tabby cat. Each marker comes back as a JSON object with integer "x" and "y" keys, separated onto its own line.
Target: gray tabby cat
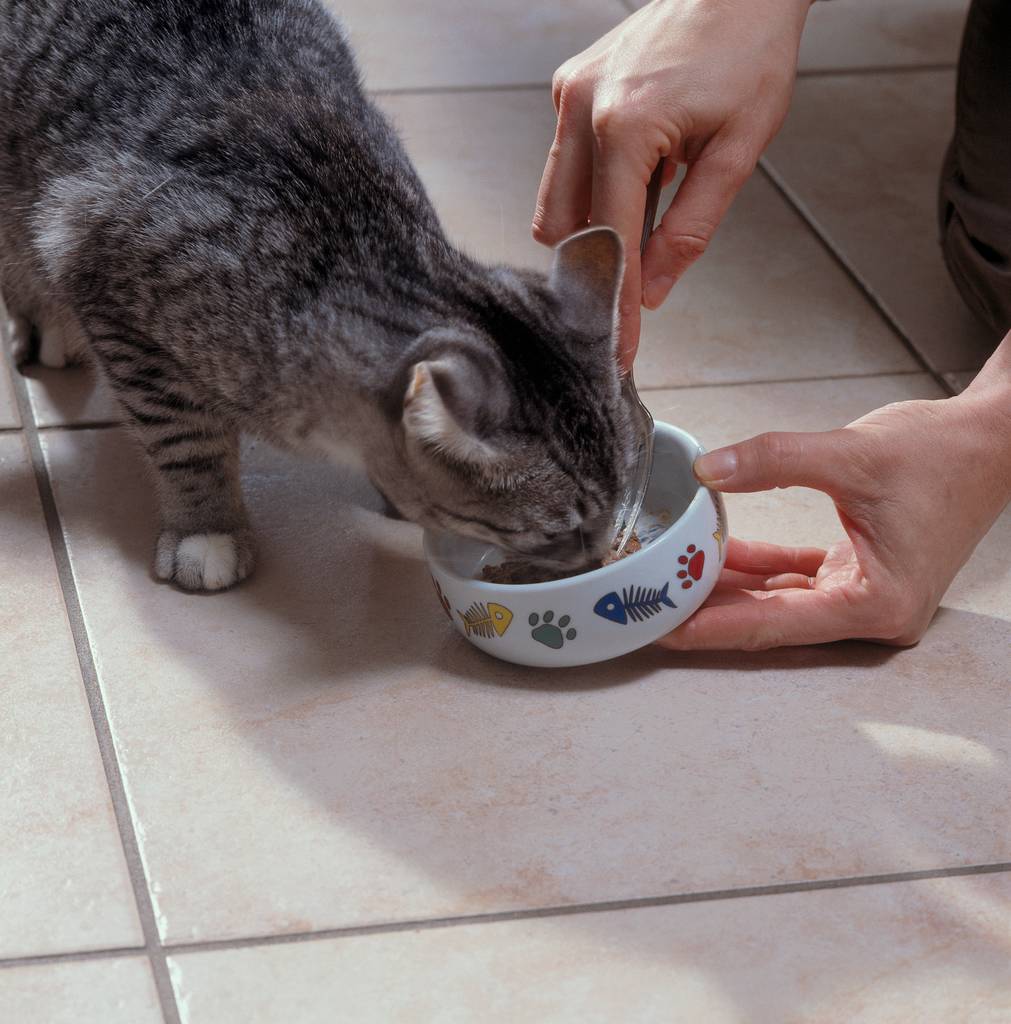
{"x": 199, "y": 194}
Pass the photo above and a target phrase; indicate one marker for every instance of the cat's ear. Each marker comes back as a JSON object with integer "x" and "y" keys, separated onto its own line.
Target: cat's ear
{"x": 586, "y": 277}
{"x": 442, "y": 411}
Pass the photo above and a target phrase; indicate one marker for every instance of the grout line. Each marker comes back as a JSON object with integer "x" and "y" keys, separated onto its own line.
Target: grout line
{"x": 57, "y": 428}
{"x": 572, "y": 910}
{"x": 780, "y": 380}
{"x": 643, "y": 902}
{"x": 876, "y": 69}
{"x": 779, "y": 184}
{"x": 485, "y": 87}
{"x": 96, "y": 425}
{"x": 99, "y": 715}
{"x": 442, "y": 90}
{"x": 113, "y": 953}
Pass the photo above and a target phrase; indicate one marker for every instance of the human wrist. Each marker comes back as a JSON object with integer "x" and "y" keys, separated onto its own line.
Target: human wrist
{"x": 984, "y": 409}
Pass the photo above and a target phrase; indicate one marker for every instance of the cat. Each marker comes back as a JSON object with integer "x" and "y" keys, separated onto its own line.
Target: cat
{"x": 200, "y": 198}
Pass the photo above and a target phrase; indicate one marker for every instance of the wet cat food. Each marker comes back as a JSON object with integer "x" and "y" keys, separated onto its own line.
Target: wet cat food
{"x": 517, "y": 571}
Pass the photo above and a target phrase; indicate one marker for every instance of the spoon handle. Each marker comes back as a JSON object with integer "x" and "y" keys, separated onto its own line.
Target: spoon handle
{"x": 635, "y": 491}
{"x": 653, "y": 190}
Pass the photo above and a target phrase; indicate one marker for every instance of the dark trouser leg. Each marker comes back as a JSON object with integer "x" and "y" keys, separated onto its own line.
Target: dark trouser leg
{"x": 975, "y": 193}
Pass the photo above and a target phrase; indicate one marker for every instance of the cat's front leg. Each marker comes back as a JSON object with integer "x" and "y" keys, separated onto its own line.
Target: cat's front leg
{"x": 204, "y": 541}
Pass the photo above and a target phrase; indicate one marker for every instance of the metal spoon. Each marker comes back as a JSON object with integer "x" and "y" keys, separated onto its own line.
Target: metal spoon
{"x": 642, "y": 467}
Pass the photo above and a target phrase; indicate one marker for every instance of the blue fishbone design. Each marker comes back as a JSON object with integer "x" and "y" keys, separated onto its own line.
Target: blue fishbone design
{"x": 637, "y": 604}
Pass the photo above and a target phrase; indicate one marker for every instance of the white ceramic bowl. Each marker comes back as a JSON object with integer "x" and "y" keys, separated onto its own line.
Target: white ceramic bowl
{"x": 607, "y": 612}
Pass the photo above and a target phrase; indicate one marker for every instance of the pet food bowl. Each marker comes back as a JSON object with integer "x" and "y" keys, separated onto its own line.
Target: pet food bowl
{"x": 607, "y": 612}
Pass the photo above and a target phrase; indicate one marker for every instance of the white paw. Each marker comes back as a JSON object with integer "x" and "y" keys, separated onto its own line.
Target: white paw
{"x": 204, "y": 561}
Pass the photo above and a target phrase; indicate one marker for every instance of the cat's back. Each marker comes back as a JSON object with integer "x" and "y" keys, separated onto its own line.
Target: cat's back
{"x": 79, "y": 74}
{"x": 220, "y": 123}
{"x": 182, "y": 162}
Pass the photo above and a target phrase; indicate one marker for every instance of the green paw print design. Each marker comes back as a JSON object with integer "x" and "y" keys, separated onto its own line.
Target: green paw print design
{"x": 549, "y": 634}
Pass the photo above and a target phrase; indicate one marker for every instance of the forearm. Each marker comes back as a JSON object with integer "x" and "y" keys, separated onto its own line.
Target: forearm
{"x": 987, "y": 401}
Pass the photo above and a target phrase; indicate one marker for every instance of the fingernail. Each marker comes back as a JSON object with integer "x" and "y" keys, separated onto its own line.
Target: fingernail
{"x": 715, "y": 467}
{"x": 656, "y": 291}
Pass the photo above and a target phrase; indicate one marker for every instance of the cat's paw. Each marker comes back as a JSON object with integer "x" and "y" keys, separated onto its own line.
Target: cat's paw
{"x": 204, "y": 561}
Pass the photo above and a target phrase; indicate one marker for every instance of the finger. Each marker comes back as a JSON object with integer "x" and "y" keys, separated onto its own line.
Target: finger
{"x": 819, "y": 460}
{"x": 722, "y": 594}
{"x": 759, "y": 558}
{"x": 701, "y": 201}
{"x": 789, "y": 581}
{"x": 563, "y": 199}
{"x": 731, "y": 580}
{"x": 619, "y": 200}
{"x": 758, "y": 622}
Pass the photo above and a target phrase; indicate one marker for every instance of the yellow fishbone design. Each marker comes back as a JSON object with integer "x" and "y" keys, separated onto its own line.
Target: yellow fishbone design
{"x": 486, "y": 620}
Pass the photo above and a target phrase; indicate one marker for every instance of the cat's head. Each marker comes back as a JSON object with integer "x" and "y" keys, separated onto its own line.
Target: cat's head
{"x": 511, "y": 426}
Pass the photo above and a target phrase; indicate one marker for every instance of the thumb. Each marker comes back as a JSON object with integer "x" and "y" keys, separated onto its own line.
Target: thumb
{"x": 777, "y": 460}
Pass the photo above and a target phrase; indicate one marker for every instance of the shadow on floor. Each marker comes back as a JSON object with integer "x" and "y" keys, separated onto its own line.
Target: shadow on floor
{"x": 502, "y": 788}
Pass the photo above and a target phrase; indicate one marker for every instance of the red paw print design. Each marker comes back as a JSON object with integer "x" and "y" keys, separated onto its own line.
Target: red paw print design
{"x": 693, "y": 561}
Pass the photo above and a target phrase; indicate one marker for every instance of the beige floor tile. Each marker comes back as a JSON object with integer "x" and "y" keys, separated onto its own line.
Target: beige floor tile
{"x": 862, "y": 154}
{"x": 866, "y": 33}
{"x": 63, "y": 881}
{"x": 937, "y": 952}
{"x": 765, "y": 303}
{"x": 117, "y": 991}
{"x": 8, "y": 407}
{"x": 489, "y": 42}
{"x": 316, "y": 748}
{"x": 70, "y": 396}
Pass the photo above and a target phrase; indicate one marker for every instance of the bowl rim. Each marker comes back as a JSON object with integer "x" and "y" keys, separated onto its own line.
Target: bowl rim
{"x": 488, "y": 588}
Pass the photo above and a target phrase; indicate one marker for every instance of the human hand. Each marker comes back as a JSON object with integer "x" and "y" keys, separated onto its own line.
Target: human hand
{"x": 916, "y": 484}
{"x": 705, "y": 83}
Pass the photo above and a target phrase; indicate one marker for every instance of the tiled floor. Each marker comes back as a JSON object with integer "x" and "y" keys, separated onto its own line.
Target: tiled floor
{"x": 290, "y": 803}
{"x": 852, "y": 34}
{"x": 873, "y": 195}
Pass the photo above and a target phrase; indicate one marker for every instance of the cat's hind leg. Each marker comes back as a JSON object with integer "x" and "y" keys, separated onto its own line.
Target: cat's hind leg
{"x": 20, "y": 335}
{"x": 204, "y": 542}
{"x": 53, "y": 337}
{"x": 61, "y": 338}
{"x": 41, "y": 326}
